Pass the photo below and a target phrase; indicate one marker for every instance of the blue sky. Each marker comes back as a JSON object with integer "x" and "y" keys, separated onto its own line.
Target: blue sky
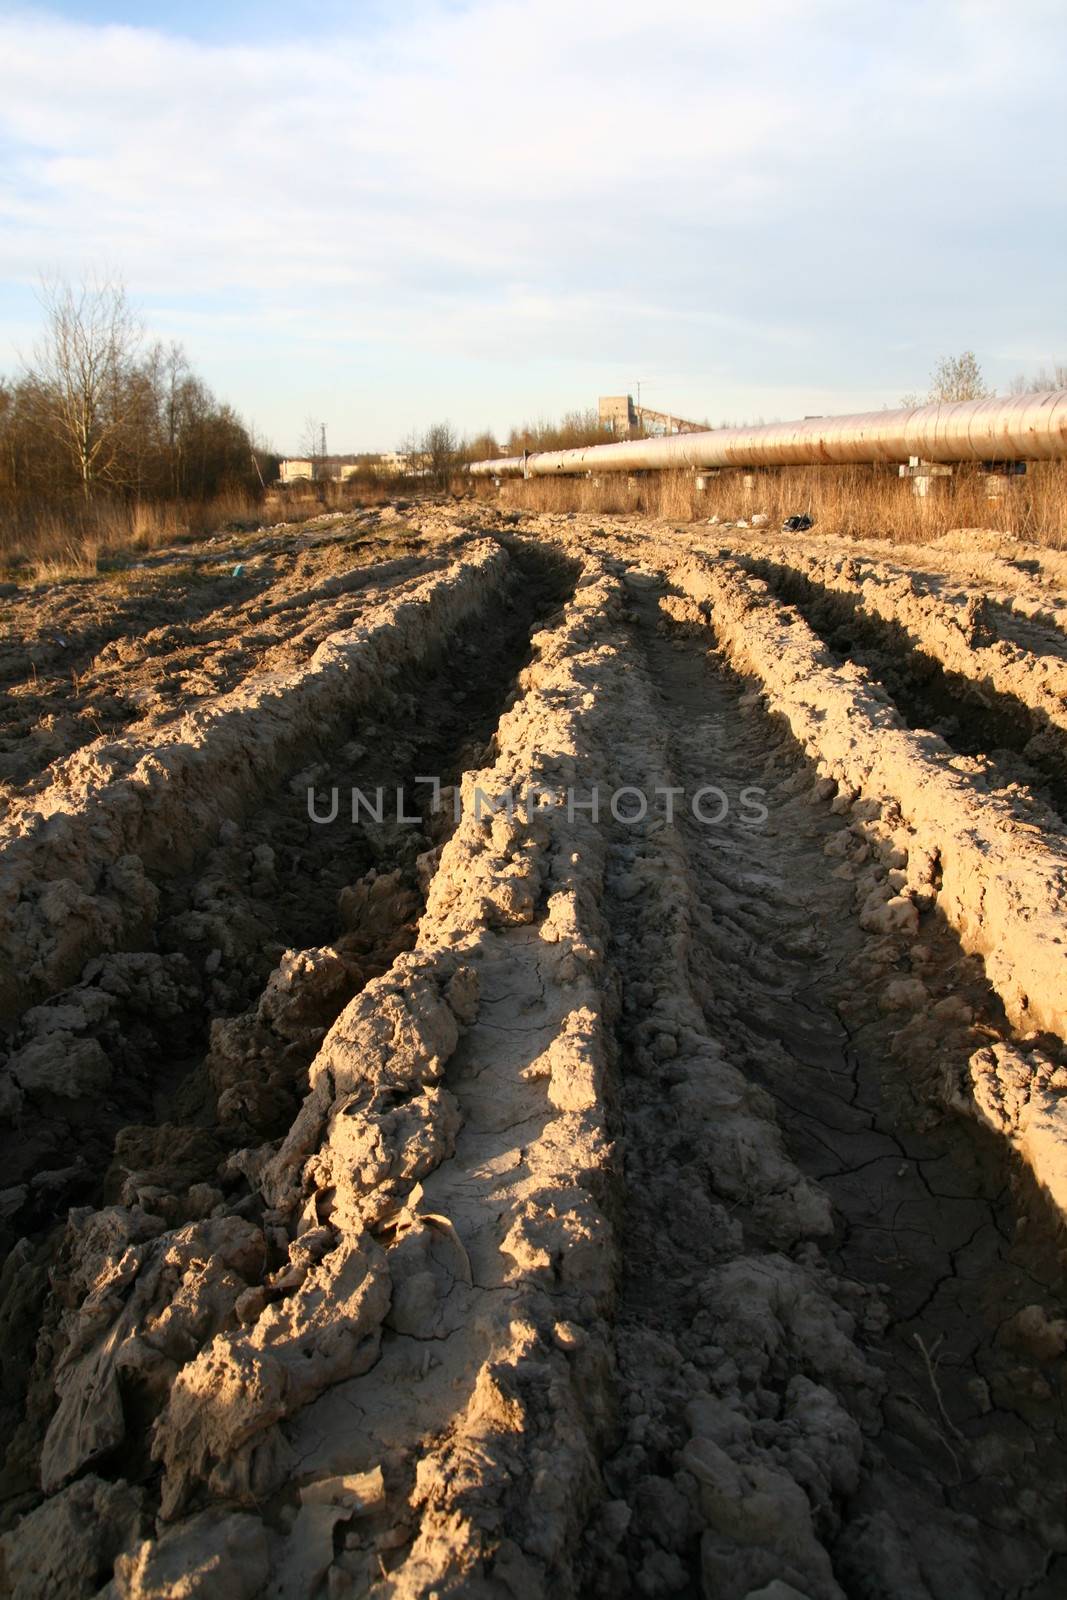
{"x": 496, "y": 210}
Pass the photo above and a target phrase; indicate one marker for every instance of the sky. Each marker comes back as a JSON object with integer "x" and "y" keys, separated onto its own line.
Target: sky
{"x": 492, "y": 211}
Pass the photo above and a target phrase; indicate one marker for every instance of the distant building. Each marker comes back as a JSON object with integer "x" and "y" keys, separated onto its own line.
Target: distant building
{"x": 324, "y": 469}
{"x": 617, "y": 414}
{"x": 620, "y": 416}
{"x": 342, "y": 469}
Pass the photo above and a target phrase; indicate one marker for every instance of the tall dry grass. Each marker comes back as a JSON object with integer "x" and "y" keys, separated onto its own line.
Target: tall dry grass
{"x": 75, "y": 540}
{"x": 51, "y": 542}
{"x": 855, "y": 502}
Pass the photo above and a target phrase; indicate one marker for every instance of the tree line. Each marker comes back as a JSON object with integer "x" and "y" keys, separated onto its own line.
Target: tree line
{"x": 101, "y": 412}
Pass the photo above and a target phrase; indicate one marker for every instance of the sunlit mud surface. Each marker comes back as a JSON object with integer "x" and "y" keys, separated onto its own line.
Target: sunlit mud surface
{"x": 640, "y": 1173}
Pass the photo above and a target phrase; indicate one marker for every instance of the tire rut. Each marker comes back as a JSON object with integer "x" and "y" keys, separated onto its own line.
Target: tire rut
{"x": 208, "y": 1032}
{"x": 962, "y": 1482}
{"x": 1009, "y": 739}
{"x": 127, "y": 675}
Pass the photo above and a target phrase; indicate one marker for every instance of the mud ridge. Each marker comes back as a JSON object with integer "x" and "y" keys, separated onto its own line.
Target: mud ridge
{"x": 1025, "y": 582}
{"x": 116, "y": 1049}
{"x": 74, "y": 861}
{"x": 154, "y": 676}
{"x": 358, "y": 1232}
{"x": 940, "y": 840}
{"x": 945, "y": 667}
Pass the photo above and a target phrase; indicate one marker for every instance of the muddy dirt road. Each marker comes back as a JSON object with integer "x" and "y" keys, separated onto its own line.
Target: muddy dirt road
{"x": 623, "y": 1152}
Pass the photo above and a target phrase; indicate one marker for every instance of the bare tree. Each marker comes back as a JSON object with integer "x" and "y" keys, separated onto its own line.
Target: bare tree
{"x": 959, "y": 378}
{"x": 313, "y": 446}
{"x": 175, "y": 375}
{"x": 481, "y": 448}
{"x": 1056, "y": 378}
{"x": 440, "y": 448}
{"x": 82, "y": 373}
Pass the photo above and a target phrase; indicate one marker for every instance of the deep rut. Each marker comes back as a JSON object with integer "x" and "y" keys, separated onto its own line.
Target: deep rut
{"x": 130, "y": 672}
{"x": 1008, "y": 737}
{"x": 284, "y": 918}
{"x": 962, "y": 1484}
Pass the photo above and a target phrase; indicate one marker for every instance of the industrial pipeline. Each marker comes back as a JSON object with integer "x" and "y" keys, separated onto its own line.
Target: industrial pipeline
{"x": 1027, "y": 427}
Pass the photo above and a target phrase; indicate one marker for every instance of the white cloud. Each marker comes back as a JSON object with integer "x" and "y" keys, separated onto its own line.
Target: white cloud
{"x": 763, "y": 196}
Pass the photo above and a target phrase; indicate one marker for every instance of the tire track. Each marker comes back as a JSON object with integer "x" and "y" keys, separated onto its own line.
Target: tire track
{"x": 951, "y": 1499}
{"x": 944, "y": 668}
{"x": 154, "y": 676}
{"x": 76, "y": 861}
{"x": 290, "y": 929}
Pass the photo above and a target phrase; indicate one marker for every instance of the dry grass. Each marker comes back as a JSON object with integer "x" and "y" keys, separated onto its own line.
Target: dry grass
{"x": 75, "y": 542}
{"x": 856, "y": 502}
{"x": 302, "y": 501}
{"x": 72, "y": 543}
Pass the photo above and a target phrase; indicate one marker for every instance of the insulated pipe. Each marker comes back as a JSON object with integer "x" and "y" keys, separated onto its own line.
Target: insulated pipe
{"x": 1026, "y": 427}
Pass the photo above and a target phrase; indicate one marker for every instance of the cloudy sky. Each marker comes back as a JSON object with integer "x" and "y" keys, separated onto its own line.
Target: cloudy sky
{"x": 492, "y": 210}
